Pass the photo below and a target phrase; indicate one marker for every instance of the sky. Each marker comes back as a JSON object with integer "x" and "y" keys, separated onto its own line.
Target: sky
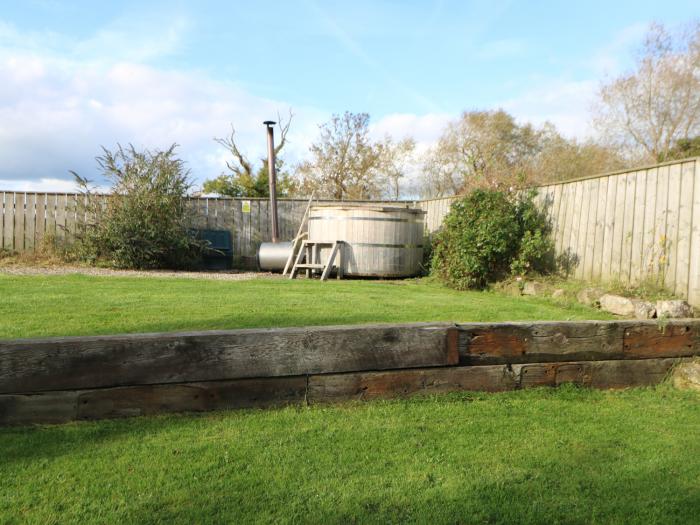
{"x": 79, "y": 75}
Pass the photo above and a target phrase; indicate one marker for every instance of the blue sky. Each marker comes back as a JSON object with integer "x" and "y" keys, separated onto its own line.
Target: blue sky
{"x": 78, "y": 75}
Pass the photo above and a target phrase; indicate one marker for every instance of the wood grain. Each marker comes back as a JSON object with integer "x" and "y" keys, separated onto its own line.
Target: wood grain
{"x": 488, "y": 344}
{"x": 141, "y": 359}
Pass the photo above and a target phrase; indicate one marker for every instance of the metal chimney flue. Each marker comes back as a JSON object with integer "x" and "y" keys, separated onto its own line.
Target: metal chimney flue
{"x": 272, "y": 175}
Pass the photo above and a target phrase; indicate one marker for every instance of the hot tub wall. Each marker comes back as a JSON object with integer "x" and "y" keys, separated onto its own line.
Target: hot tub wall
{"x": 380, "y": 241}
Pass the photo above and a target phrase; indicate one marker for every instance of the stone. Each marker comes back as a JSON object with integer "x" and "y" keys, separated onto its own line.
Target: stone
{"x": 674, "y": 309}
{"x": 644, "y": 310}
{"x": 686, "y": 376}
{"x": 590, "y": 296}
{"x": 533, "y": 288}
{"x": 559, "y": 293}
{"x": 618, "y": 305}
{"x": 512, "y": 288}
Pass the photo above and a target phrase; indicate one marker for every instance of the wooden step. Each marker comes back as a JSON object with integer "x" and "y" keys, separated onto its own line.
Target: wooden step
{"x": 311, "y": 266}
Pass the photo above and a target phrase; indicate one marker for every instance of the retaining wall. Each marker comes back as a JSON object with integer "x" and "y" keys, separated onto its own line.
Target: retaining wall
{"x": 62, "y": 379}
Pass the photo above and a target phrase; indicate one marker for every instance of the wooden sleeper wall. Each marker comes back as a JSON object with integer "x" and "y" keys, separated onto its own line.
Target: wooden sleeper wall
{"x": 63, "y": 379}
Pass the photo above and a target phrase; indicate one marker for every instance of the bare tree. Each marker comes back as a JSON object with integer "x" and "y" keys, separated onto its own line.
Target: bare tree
{"x": 396, "y": 162}
{"x": 561, "y": 158}
{"x": 346, "y": 163}
{"x": 650, "y": 108}
{"x": 242, "y": 180}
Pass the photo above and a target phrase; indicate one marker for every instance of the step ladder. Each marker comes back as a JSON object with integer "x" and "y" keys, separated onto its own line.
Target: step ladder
{"x": 308, "y": 259}
{"x": 301, "y": 235}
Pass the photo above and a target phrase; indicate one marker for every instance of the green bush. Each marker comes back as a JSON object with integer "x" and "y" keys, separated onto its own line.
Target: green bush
{"x": 145, "y": 222}
{"x": 488, "y": 235}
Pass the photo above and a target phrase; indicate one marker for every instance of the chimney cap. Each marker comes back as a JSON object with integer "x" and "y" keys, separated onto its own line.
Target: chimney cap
{"x": 269, "y": 123}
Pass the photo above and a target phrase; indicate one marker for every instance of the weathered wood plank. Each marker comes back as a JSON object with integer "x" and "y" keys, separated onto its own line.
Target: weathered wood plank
{"x": 50, "y": 230}
{"x": 582, "y": 229}
{"x": 190, "y": 397}
{"x": 628, "y": 227}
{"x": 675, "y": 339}
{"x": 20, "y": 216}
{"x": 609, "y": 236}
{"x": 694, "y": 262}
{"x": 595, "y": 374}
{"x": 569, "y": 195}
{"x": 594, "y": 202}
{"x": 29, "y": 222}
{"x": 685, "y": 225}
{"x": 649, "y": 241}
{"x": 489, "y": 344}
{"x": 40, "y": 222}
{"x": 637, "y": 254}
{"x": 673, "y": 207}
{"x": 619, "y": 224}
{"x": 601, "y": 208}
{"x": 60, "y": 407}
{"x": 141, "y": 359}
{"x": 60, "y": 218}
{"x": 48, "y": 407}
{"x": 485, "y": 344}
{"x": 373, "y": 385}
{"x": 660, "y": 241}
{"x": 8, "y": 231}
{"x": 493, "y": 378}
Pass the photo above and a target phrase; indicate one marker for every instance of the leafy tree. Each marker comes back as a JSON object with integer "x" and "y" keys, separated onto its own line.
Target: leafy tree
{"x": 346, "y": 163}
{"x": 482, "y": 149}
{"x": 242, "y": 179}
{"x": 683, "y": 149}
{"x": 656, "y": 104}
{"x": 489, "y": 149}
{"x": 561, "y": 159}
{"x": 145, "y": 221}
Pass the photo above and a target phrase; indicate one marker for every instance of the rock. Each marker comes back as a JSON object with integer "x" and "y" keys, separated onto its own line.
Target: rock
{"x": 533, "y": 288}
{"x": 674, "y": 309}
{"x": 512, "y": 288}
{"x": 618, "y": 305}
{"x": 686, "y": 376}
{"x": 559, "y": 293}
{"x": 590, "y": 296}
{"x": 644, "y": 310}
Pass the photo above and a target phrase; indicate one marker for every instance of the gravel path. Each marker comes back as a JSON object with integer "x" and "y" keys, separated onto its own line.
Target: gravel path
{"x": 225, "y": 275}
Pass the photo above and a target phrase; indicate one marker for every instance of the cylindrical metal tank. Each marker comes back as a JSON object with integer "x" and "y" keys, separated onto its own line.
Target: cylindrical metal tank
{"x": 380, "y": 241}
{"x": 272, "y": 256}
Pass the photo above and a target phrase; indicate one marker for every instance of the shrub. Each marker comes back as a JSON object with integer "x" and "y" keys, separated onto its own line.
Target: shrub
{"x": 145, "y": 222}
{"x": 489, "y": 234}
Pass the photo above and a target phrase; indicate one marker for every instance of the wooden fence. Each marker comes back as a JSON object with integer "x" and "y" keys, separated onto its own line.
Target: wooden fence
{"x": 28, "y": 220}
{"x": 625, "y": 226}
{"x": 66, "y": 378}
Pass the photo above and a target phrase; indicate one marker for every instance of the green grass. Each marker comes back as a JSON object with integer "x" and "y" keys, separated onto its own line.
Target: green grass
{"x": 36, "y": 306}
{"x": 536, "y": 456}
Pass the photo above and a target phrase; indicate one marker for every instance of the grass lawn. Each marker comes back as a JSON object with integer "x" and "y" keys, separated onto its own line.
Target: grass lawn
{"x": 36, "y": 306}
{"x": 535, "y": 456}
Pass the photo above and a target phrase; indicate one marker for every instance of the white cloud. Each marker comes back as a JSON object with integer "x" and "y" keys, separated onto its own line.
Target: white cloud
{"x": 45, "y": 185}
{"x": 55, "y": 112}
{"x": 564, "y": 103}
{"x": 423, "y": 128}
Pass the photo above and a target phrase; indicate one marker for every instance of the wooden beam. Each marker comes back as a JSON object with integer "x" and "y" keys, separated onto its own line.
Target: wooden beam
{"x": 71, "y": 363}
{"x": 488, "y": 344}
{"x": 492, "y": 378}
{"x": 60, "y": 407}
